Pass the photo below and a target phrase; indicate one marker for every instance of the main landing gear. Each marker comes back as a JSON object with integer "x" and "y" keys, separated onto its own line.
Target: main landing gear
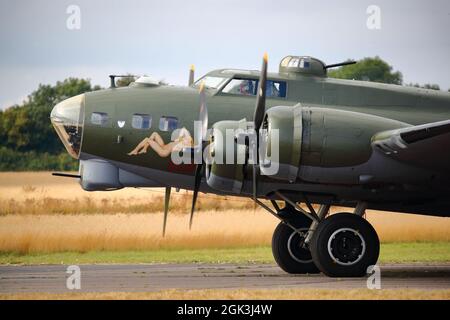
{"x": 289, "y": 248}
{"x": 340, "y": 245}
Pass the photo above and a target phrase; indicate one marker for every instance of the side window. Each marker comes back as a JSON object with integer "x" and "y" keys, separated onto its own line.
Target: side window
{"x": 168, "y": 123}
{"x": 276, "y": 89}
{"x": 141, "y": 121}
{"x": 99, "y": 118}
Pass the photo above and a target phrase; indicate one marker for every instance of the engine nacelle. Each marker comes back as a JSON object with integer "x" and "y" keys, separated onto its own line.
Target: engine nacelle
{"x": 292, "y": 137}
{"x": 282, "y": 151}
{"x": 320, "y": 137}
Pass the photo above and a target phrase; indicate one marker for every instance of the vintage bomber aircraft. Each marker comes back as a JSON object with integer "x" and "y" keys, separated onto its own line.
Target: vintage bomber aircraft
{"x": 342, "y": 142}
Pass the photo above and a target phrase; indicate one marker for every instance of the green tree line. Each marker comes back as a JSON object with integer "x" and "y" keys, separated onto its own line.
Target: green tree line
{"x": 29, "y": 142}
{"x": 27, "y": 138}
{"x": 377, "y": 70}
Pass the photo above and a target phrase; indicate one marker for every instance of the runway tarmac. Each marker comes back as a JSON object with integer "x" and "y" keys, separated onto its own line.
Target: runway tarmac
{"x": 156, "y": 277}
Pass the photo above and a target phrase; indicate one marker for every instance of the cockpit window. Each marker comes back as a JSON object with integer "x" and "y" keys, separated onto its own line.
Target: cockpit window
{"x": 246, "y": 87}
{"x": 249, "y": 87}
{"x": 211, "y": 82}
{"x": 276, "y": 89}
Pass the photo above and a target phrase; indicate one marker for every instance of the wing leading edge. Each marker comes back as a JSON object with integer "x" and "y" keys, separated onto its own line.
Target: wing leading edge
{"x": 426, "y": 145}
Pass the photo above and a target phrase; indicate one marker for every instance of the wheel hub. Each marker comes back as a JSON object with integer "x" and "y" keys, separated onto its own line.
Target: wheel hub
{"x": 346, "y": 246}
{"x": 297, "y": 248}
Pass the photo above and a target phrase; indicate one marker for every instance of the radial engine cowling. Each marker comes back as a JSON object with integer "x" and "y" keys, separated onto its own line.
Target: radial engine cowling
{"x": 292, "y": 137}
{"x": 225, "y": 172}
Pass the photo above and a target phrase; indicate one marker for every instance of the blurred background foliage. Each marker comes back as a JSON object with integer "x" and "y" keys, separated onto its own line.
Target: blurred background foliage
{"x": 27, "y": 138}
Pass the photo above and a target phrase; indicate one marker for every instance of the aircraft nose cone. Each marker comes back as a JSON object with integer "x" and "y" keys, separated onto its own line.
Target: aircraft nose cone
{"x": 67, "y": 119}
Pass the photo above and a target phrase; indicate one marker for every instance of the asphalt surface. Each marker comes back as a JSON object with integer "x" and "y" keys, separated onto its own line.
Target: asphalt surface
{"x": 155, "y": 277}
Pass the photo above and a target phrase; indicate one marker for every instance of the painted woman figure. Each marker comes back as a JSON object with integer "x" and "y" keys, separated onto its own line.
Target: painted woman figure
{"x": 156, "y": 142}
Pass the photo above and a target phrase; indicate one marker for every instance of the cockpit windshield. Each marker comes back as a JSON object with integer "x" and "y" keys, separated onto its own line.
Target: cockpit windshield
{"x": 67, "y": 118}
{"x": 248, "y": 87}
{"x": 211, "y": 82}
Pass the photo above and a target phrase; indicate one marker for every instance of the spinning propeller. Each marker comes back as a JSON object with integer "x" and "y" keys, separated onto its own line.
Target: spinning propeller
{"x": 201, "y": 140}
{"x": 166, "y": 208}
{"x": 191, "y": 75}
{"x": 258, "y": 117}
{"x": 201, "y": 134}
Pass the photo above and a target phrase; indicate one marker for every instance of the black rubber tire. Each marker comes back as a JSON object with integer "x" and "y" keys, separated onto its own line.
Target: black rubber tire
{"x": 324, "y": 260}
{"x": 280, "y": 249}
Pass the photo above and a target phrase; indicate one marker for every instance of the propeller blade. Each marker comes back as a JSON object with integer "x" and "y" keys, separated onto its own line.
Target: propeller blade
{"x": 166, "y": 208}
{"x": 198, "y": 179}
{"x": 260, "y": 107}
{"x": 258, "y": 118}
{"x": 191, "y": 75}
{"x": 253, "y": 145}
{"x": 254, "y": 182}
{"x": 203, "y": 116}
{"x": 201, "y": 138}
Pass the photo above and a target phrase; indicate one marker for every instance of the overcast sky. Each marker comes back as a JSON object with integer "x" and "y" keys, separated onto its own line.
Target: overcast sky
{"x": 162, "y": 38}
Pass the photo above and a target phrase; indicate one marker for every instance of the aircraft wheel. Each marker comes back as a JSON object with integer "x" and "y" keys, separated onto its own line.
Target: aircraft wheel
{"x": 288, "y": 247}
{"x": 344, "y": 245}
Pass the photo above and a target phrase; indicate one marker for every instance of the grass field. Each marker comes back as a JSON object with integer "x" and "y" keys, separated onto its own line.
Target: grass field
{"x": 430, "y": 252}
{"x": 41, "y": 214}
{"x": 35, "y": 193}
{"x": 212, "y": 229}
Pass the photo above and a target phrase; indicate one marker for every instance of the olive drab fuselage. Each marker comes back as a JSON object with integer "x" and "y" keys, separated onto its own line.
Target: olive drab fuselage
{"x": 329, "y": 158}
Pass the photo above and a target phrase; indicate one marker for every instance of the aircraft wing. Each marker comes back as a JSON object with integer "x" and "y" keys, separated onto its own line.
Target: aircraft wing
{"x": 426, "y": 145}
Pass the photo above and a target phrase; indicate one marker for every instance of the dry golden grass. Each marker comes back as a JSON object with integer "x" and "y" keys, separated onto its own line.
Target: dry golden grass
{"x": 244, "y": 294}
{"x": 53, "y": 233}
{"x": 224, "y": 229}
{"x": 41, "y": 213}
{"x": 41, "y": 193}
{"x": 153, "y": 202}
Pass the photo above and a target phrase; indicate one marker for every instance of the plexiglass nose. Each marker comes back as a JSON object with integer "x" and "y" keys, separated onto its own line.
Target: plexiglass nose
{"x": 67, "y": 118}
